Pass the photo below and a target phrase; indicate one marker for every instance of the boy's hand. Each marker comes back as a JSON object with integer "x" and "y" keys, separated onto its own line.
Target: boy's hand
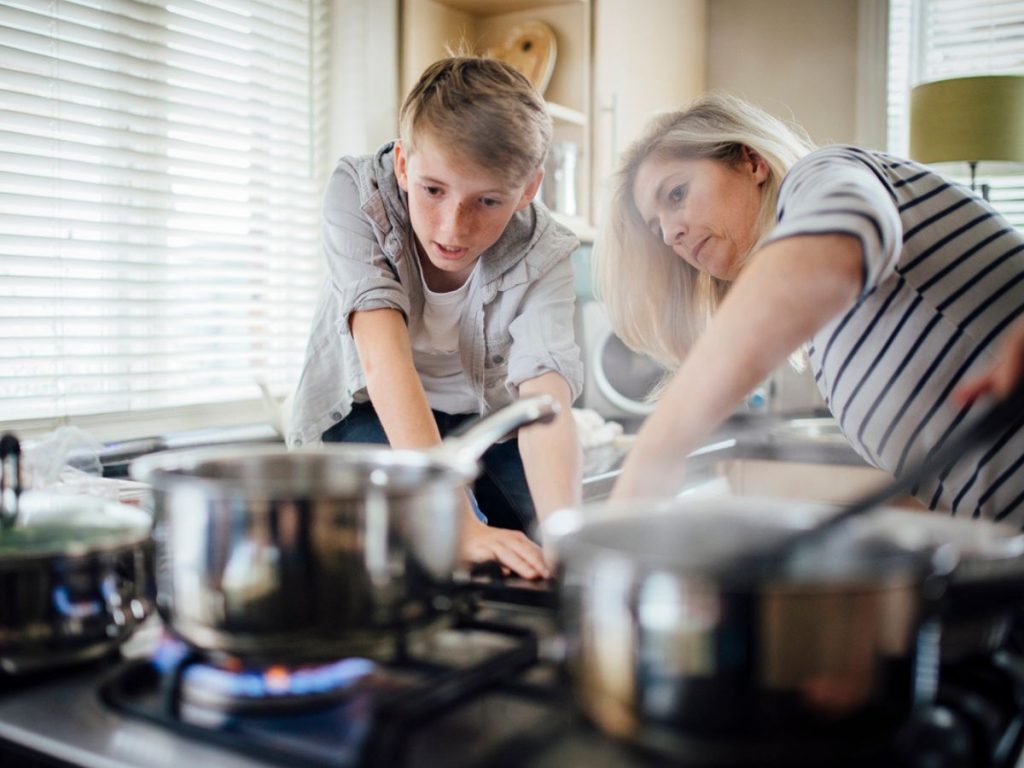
{"x": 512, "y": 549}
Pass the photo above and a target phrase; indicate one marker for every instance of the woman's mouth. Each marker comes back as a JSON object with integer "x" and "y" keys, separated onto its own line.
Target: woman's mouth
{"x": 695, "y": 253}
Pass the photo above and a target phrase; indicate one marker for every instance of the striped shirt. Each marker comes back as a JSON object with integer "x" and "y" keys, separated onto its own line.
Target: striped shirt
{"x": 943, "y": 278}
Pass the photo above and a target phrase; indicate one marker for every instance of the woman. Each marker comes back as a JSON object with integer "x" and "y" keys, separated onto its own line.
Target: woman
{"x": 746, "y": 243}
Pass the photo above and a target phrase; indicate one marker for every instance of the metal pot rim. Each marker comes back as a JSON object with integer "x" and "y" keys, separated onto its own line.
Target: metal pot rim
{"x": 127, "y": 527}
{"x": 380, "y": 464}
{"x": 576, "y": 533}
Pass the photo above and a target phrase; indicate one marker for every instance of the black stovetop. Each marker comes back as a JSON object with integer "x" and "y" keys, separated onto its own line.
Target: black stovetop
{"x": 487, "y": 690}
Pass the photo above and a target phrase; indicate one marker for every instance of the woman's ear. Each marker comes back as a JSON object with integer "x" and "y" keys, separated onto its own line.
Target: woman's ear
{"x": 756, "y": 165}
{"x": 531, "y": 190}
{"x": 401, "y": 168}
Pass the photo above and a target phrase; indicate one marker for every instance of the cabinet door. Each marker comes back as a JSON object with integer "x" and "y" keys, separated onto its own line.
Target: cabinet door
{"x": 649, "y": 57}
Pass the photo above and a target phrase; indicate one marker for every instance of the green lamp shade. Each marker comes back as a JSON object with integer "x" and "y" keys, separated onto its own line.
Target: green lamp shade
{"x": 969, "y": 119}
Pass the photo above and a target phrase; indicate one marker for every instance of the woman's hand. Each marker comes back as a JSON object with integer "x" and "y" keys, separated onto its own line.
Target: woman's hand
{"x": 512, "y": 549}
{"x": 1001, "y": 376}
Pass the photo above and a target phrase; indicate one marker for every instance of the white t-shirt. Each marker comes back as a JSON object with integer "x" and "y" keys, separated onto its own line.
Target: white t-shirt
{"x": 435, "y": 349}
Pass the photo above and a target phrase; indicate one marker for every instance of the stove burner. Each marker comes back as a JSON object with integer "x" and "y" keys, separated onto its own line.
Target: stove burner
{"x": 353, "y": 712}
{"x": 227, "y": 686}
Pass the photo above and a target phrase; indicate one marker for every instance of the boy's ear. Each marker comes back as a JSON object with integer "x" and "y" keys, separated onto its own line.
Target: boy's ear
{"x": 401, "y": 170}
{"x": 531, "y": 190}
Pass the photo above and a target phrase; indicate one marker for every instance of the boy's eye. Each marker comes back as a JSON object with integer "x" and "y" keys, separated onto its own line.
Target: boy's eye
{"x": 432, "y": 191}
{"x": 490, "y": 202}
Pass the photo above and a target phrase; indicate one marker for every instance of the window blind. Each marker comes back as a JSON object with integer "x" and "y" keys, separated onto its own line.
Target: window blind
{"x": 936, "y": 39}
{"x": 161, "y": 165}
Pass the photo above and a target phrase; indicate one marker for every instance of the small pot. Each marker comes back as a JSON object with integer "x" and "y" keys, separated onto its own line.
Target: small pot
{"x": 74, "y": 575}
{"x": 276, "y": 555}
{"x": 665, "y": 648}
{"x": 671, "y": 640}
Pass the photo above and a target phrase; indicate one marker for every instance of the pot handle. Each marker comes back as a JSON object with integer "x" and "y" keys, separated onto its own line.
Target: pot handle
{"x": 466, "y": 449}
{"x": 10, "y": 480}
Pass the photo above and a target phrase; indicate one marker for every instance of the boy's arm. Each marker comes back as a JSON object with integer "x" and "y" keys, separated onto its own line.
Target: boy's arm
{"x": 382, "y": 341}
{"x": 551, "y": 454}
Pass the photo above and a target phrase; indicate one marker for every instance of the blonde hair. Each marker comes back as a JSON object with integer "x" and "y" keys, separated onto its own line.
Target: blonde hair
{"x": 656, "y": 302}
{"x": 484, "y": 108}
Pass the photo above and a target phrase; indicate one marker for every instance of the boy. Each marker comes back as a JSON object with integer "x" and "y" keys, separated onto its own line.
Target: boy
{"x": 450, "y": 294}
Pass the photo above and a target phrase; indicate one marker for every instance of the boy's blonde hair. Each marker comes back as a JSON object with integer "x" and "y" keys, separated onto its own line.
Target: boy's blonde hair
{"x": 483, "y": 108}
{"x": 656, "y": 302}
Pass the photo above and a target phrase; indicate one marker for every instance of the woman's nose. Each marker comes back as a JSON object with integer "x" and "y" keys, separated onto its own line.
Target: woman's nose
{"x": 672, "y": 229}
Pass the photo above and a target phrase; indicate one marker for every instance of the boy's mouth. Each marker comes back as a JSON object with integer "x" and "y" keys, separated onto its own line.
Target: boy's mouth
{"x": 450, "y": 251}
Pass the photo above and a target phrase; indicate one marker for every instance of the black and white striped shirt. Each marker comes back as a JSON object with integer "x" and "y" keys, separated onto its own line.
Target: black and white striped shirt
{"x": 943, "y": 278}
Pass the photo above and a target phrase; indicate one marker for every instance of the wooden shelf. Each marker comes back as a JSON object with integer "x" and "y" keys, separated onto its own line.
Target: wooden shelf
{"x": 565, "y": 114}
{"x": 492, "y": 7}
{"x": 584, "y": 230}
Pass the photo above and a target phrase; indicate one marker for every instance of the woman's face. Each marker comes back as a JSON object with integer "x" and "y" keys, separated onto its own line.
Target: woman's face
{"x": 705, "y": 210}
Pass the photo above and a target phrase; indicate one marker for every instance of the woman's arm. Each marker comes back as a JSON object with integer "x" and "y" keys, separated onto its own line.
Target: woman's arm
{"x": 551, "y": 453}
{"x": 791, "y": 289}
{"x": 395, "y": 389}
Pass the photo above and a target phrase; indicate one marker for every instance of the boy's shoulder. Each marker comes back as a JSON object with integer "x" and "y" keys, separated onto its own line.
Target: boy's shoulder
{"x": 367, "y": 182}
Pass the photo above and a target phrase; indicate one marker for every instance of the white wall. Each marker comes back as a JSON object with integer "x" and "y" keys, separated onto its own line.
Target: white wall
{"x": 795, "y": 58}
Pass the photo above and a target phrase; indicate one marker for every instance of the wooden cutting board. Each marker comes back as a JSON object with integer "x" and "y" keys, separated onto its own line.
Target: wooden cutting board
{"x": 531, "y": 49}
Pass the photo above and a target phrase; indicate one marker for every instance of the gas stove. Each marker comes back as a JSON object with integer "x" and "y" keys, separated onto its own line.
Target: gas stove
{"x": 484, "y": 689}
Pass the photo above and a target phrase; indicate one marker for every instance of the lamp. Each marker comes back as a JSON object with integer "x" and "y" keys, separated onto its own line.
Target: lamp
{"x": 970, "y": 119}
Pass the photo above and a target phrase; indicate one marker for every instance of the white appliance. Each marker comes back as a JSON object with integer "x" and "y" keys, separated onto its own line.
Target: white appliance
{"x": 616, "y": 379}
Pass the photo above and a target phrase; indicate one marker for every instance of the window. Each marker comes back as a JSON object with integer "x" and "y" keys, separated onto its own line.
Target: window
{"x": 936, "y": 39}
{"x": 162, "y": 165}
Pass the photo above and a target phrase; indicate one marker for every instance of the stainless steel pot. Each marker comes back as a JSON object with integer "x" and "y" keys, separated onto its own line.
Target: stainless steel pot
{"x": 74, "y": 575}
{"x": 670, "y": 641}
{"x": 298, "y": 555}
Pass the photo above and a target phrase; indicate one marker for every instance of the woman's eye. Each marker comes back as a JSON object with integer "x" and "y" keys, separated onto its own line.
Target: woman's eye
{"x": 677, "y": 193}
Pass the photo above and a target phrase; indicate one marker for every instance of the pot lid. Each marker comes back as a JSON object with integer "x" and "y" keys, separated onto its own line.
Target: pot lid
{"x": 52, "y": 524}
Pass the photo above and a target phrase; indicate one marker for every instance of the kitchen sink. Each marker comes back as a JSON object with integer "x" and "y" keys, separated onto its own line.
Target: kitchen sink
{"x": 798, "y": 458}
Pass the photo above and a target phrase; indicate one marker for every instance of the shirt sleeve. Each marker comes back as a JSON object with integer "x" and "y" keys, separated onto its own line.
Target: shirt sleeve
{"x": 543, "y": 336}
{"x": 361, "y": 276}
{"x": 843, "y": 190}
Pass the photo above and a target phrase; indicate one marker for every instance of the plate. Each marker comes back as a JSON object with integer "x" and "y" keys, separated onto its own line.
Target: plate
{"x": 531, "y": 49}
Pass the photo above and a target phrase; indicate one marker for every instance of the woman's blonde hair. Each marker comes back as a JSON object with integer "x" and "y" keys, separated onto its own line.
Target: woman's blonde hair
{"x": 481, "y": 107}
{"x": 656, "y": 302}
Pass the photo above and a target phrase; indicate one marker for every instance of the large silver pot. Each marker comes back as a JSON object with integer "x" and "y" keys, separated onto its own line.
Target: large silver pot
{"x": 671, "y": 642}
{"x": 75, "y": 574}
{"x": 280, "y": 555}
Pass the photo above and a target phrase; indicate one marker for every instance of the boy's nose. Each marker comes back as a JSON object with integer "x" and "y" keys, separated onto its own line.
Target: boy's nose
{"x": 456, "y": 220}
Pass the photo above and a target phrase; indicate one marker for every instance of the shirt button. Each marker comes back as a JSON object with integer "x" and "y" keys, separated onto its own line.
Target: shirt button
{"x": 297, "y": 441}
{"x": 497, "y": 359}
{"x": 336, "y": 415}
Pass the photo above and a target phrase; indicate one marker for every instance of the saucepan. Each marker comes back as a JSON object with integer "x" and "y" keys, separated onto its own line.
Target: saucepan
{"x": 75, "y": 573}
{"x": 698, "y": 622}
{"x": 284, "y": 556}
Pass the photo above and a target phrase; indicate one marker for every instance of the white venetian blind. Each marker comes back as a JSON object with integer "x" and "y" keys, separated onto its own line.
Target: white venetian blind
{"x": 161, "y": 165}
{"x": 936, "y": 39}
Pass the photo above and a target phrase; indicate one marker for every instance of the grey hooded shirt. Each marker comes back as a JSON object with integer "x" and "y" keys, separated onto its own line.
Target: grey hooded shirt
{"x": 518, "y": 323}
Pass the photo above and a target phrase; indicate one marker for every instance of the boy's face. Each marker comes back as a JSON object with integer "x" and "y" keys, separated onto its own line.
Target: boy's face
{"x": 457, "y": 210}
